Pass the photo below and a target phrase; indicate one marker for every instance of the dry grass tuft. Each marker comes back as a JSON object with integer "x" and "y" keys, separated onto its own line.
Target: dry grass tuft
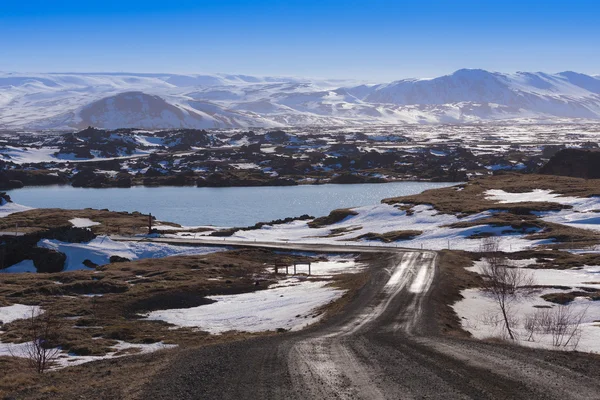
{"x": 333, "y": 218}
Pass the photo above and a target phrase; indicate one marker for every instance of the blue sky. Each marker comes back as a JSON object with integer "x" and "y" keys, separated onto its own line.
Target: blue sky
{"x": 377, "y": 40}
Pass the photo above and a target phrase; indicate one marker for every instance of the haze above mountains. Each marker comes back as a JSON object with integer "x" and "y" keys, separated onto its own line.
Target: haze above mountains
{"x": 154, "y": 101}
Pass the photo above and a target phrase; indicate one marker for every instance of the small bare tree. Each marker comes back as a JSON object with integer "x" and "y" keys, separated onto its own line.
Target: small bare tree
{"x": 42, "y": 330}
{"x": 502, "y": 280}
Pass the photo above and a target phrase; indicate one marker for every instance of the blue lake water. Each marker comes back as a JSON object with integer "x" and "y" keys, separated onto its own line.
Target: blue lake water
{"x": 239, "y": 206}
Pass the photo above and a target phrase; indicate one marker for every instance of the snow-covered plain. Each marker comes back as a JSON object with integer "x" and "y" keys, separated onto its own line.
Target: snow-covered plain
{"x": 585, "y": 211}
{"x": 383, "y": 218}
{"x": 290, "y": 305}
{"x": 480, "y": 316}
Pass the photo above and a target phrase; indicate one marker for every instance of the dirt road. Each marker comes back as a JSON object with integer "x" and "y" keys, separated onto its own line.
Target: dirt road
{"x": 384, "y": 345}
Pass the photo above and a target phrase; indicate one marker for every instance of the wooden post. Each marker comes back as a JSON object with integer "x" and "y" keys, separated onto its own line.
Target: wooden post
{"x": 294, "y": 268}
{"x": 276, "y": 268}
{"x": 286, "y": 269}
{"x": 150, "y": 223}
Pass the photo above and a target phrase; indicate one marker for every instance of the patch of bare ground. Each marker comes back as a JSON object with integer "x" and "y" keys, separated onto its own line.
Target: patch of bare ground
{"x": 470, "y": 199}
{"x": 334, "y": 217}
{"x": 392, "y": 236}
{"x": 451, "y": 280}
{"x": 111, "y": 222}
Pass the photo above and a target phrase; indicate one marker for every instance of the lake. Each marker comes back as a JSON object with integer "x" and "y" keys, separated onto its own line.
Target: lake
{"x": 236, "y": 206}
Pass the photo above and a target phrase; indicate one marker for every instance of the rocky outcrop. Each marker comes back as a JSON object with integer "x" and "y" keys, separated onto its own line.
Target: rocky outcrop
{"x": 47, "y": 260}
{"x": 5, "y": 198}
{"x": 87, "y": 178}
{"x": 16, "y": 249}
{"x": 575, "y": 163}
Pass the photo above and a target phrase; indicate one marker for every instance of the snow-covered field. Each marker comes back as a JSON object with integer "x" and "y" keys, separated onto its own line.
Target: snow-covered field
{"x": 481, "y": 315}
{"x": 383, "y": 218}
{"x": 585, "y": 212}
{"x": 291, "y": 304}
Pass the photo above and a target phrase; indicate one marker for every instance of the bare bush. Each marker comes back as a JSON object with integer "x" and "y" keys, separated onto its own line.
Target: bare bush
{"x": 562, "y": 322}
{"x": 42, "y": 331}
{"x": 502, "y": 281}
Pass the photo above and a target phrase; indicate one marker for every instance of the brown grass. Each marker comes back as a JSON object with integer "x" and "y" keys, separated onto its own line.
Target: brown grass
{"x": 391, "y": 236}
{"x": 471, "y": 199}
{"x": 46, "y": 218}
{"x": 452, "y": 279}
{"x": 334, "y": 217}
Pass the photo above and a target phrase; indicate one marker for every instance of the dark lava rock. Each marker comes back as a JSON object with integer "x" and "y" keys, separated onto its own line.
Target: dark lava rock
{"x": 118, "y": 259}
{"x": 69, "y": 234}
{"x": 47, "y": 260}
{"x": 89, "y": 263}
{"x": 5, "y": 198}
{"x": 87, "y": 178}
{"x": 575, "y": 163}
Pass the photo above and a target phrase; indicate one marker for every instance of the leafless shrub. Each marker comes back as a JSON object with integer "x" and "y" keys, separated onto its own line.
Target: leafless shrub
{"x": 42, "y": 331}
{"x": 502, "y": 281}
{"x": 491, "y": 318}
{"x": 566, "y": 327}
{"x": 562, "y": 322}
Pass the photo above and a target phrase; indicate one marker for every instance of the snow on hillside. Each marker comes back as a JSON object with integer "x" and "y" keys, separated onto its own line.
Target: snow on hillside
{"x": 111, "y": 100}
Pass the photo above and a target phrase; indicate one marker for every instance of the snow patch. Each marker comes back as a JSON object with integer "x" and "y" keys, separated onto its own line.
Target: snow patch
{"x": 289, "y": 305}
{"x": 83, "y": 222}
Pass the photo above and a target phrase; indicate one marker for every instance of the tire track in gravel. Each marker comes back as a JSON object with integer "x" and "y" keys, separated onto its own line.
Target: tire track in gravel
{"x": 325, "y": 364}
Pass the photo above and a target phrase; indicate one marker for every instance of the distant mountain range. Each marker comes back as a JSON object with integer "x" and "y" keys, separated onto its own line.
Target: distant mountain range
{"x": 153, "y": 101}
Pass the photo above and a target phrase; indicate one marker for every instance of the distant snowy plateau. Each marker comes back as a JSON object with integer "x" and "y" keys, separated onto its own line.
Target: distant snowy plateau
{"x": 153, "y": 101}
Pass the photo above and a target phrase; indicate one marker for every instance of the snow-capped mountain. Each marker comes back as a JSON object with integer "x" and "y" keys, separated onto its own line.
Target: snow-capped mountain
{"x": 124, "y": 100}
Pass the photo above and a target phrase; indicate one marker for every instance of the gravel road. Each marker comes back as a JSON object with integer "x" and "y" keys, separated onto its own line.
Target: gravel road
{"x": 384, "y": 345}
